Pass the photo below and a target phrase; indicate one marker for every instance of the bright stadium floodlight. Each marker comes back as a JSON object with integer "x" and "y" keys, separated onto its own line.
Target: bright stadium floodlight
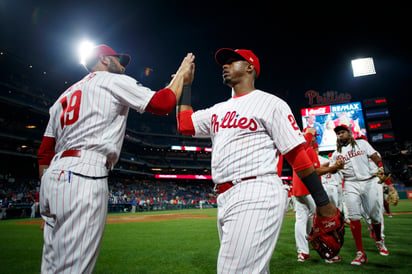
{"x": 85, "y": 49}
{"x": 363, "y": 66}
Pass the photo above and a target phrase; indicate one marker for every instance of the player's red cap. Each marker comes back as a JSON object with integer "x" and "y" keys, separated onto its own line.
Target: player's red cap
{"x": 105, "y": 50}
{"x": 224, "y": 54}
{"x": 341, "y": 127}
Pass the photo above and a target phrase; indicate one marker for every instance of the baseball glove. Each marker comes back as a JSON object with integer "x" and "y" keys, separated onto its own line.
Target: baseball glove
{"x": 327, "y": 235}
{"x": 383, "y": 177}
{"x": 393, "y": 197}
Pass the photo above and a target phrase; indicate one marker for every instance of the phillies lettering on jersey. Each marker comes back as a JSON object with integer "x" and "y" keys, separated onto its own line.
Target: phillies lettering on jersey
{"x": 248, "y": 133}
{"x": 350, "y": 155}
{"x": 231, "y": 120}
{"x": 356, "y": 160}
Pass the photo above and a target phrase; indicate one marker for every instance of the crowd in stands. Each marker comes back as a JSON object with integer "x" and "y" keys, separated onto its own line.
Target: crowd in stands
{"x": 19, "y": 197}
{"x": 160, "y": 195}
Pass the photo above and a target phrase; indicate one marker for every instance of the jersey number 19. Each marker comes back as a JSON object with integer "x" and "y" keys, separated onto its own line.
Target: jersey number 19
{"x": 70, "y": 113}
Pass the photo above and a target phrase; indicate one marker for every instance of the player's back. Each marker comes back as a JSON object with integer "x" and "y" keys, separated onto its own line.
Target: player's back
{"x": 88, "y": 117}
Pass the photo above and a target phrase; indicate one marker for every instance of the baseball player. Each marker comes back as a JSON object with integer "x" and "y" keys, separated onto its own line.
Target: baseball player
{"x": 303, "y": 201}
{"x": 360, "y": 188}
{"x": 379, "y": 186}
{"x": 248, "y": 132}
{"x": 82, "y": 142}
{"x": 332, "y": 182}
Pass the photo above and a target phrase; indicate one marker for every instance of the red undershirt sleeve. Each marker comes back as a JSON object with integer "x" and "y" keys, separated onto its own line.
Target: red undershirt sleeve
{"x": 298, "y": 158}
{"x": 46, "y": 151}
{"x": 185, "y": 123}
{"x": 162, "y": 102}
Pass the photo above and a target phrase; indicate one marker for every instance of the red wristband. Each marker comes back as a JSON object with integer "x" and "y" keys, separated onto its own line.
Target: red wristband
{"x": 380, "y": 164}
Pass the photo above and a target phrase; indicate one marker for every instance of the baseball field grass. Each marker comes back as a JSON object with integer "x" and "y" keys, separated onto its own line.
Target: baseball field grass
{"x": 144, "y": 243}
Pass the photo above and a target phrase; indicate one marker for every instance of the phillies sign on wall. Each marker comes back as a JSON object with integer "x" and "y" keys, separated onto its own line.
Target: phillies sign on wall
{"x": 327, "y": 98}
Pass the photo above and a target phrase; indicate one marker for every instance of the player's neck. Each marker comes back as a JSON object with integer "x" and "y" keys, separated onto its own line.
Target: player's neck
{"x": 240, "y": 90}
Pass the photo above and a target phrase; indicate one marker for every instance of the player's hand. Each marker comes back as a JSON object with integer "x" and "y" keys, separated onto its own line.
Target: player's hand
{"x": 326, "y": 211}
{"x": 340, "y": 164}
{"x": 187, "y": 69}
{"x": 380, "y": 172}
{"x": 310, "y": 130}
{"x": 188, "y": 77}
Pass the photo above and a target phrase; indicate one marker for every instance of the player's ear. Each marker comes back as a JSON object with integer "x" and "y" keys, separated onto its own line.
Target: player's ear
{"x": 105, "y": 60}
{"x": 251, "y": 69}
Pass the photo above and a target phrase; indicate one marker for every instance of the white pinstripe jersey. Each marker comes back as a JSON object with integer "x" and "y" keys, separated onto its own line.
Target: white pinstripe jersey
{"x": 92, "y": 114}
{"x": 356, "y": 159}
{"x": 247, "y": 133}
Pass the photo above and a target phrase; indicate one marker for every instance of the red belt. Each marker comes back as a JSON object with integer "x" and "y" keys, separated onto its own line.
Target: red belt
{"x": 221, "y": 188}
{"x": 71, "y": 153}
{"x": 77, "y": 153}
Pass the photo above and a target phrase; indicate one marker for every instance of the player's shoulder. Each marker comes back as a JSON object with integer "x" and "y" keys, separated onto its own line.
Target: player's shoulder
{"x": 262, "y": 93}
{"x": 119, "y": 77}
{"x": 269, "y": 97}
{"x": 362, "y": 143}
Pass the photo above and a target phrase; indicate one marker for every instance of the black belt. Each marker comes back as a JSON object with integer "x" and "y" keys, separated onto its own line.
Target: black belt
{"x": 221, "y": 188}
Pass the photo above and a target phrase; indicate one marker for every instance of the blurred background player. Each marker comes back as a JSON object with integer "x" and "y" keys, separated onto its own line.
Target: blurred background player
{"x": 332, "y": 182}
{"x": 304, "y": 204}
{"x": 360, "y": 188}
{"x": 82, "y": 142}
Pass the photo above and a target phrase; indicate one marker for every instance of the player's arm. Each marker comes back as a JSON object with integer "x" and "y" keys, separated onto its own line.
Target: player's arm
{"x": 325, "y": 168}
{"x": 45, "y": 154}
{"x": 165, "y": 99}
{"x": 184, "y": 110}
{"x": 303, "y": 167}
{"x": 309, "y": 133}
{"x": 377, "y": 159}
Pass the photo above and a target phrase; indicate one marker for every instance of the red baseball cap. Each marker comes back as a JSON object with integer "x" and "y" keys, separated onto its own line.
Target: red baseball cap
{"x": 341, "y": 127}
{"x": 104, "y": 50}
{"x": 224, "y": 54}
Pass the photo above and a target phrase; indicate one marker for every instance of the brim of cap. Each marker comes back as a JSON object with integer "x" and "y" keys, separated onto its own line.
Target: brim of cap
{"x": 225, "y": 54}
{"x": 338, "y": 128}
{"x": 124, "y": 59}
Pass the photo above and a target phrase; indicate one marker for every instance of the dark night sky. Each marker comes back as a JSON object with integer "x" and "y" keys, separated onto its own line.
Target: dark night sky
{"x": 299, "y": 47}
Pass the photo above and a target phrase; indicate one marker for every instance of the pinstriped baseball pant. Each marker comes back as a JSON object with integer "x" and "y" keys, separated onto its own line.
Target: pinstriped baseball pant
{"x": 75, "y": 210}
{"x": 250, "y": 217}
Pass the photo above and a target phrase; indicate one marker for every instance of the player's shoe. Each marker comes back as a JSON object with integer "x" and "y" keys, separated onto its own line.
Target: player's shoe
{"x": 382, "y": 248}
{"x": 390, "y": 215}
{"x": 333, "y": 260}
{"x": 360, "y": 259}
{"x": 303, "y": 257}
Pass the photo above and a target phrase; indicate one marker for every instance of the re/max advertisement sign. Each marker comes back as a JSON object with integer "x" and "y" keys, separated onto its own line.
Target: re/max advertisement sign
{"x": 331, "y": 109}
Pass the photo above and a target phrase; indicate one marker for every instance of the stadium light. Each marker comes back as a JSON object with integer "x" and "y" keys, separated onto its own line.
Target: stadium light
{"x": 84, "y": 50}
{"x": 363, "y": 66}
